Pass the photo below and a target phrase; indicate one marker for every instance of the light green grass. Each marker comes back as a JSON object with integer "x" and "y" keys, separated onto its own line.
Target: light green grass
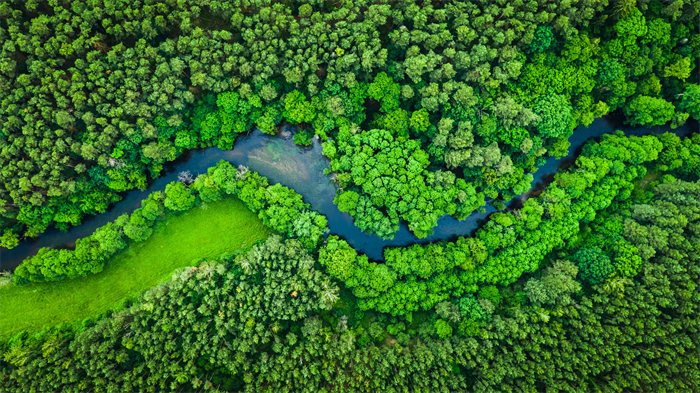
{"x": 178, "y": 241}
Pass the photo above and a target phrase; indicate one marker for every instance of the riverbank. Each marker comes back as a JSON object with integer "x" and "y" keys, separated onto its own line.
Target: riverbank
{"x": 301, "y": 168}
{"x": 178, "y": 241}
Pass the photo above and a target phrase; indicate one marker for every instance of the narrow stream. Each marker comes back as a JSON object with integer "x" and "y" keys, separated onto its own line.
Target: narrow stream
{"x": 301, "y": 168}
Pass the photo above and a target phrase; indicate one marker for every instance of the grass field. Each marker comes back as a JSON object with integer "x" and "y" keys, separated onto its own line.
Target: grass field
{"x": 226, "y": 225}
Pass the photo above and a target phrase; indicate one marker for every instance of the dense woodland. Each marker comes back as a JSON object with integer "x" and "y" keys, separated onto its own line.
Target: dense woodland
{"x": 424, "y": 109}
{"x": 269, "y": 320}
{"x": 98, "y": 94}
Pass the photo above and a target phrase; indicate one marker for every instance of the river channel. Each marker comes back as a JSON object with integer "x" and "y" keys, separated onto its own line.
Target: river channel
{"x": 301, "y": 168}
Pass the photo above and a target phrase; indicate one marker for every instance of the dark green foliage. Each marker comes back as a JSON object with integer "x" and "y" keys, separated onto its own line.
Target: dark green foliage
{"x": 472, "y": 310}
{"x": 97, "y": 95}
{"x": 609, "y": 70}
{"x": 424, "y": 109}
{"x": 639, "y": 321}
{"x": 247, "y": 303}
{"x": 544, "y": 37}
{"x": 594, "y": 266}
{"x": 271, "y": 310}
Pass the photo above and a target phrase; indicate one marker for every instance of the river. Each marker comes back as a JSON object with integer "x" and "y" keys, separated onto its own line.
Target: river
{"x": 301, "y": 168}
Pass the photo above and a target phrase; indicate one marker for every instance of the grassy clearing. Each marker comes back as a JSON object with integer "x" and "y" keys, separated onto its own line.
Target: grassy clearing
{"x": 178, "y": 241}
{"x": 643, "y": 183}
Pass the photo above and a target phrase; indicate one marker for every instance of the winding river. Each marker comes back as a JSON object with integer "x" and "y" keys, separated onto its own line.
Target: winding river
{"x": 301, "y": 168}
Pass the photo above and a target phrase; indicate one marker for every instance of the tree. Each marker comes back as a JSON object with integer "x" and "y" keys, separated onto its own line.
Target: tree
{"x": 178, "y": 197}
{"x": 543, "y": 39}
{"x": 624, "y": 8}
{"x": 138, "y": 228}
{"x": 110, "y": 238}
{"x": 9, "y": 239}
{"x": 491, "y": 293}
{"x": 645, "y": 110}
{"x": 555, "y": 113}
{"x": 207, "y": 188}
{"x": 680, "y": 69}
{"x": 594, "y": 265}
{"x": 631, "y": 24}
{"x": 443, "y": 329}
{"x": 420, "y": 120}
{"x": 691, "y": 100}
{"x": 555, "y": 286}
{"x": 152, "y": 207}
{"x": 347, "y": 201}
{"x": 297, "y": 109}
{"x": 384, "y": 90}
{"x": 472, "y": 310}
{"x": 609, "y": 70}
{"x": 338, "y": 257}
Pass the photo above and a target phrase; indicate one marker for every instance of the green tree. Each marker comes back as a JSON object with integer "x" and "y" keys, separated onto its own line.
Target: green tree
{"x": 297, "y": 109}
{"x": 594, "y": 265}
{"x": 691, "y": 100}
{"x": 9, "y": 239}
{"x": 420, "y": 120}
{"x": 338, "y": 257}
{"x": 178, "y": 197}
{"x": 555, "y": 113}
{"x": 543, "y": 39}
{"x": 347, "y": 201}
{"x": 443, "y": 329}
{"x": 644, "y": 110}
{"x": 555, "y": 286}
{"x": 609, "y": 70}
{"x": 680, "y": 69}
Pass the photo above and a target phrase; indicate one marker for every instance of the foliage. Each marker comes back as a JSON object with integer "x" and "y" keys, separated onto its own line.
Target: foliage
{"x": 268, "y": 287}
{"x": 556, "y": 285}
{"x": 388, "y": 181}
{"x": 555, "y": 113}
{"x": 691, "y": 100}
{"x": 510, "y": 244}
{"x": 178, "y": 240}
{"x": 648, "y": 110}
{"x": 98, "y": 95}
{"x": 593, "y": 264}
{"x": 280, "y": 208}
{"x": 338, "y": 258}
{"x": 542, "y": 40}
{"x": 279, "y": 318}
{"x": 424, "y": 108}
{"x": 178, "y": 197}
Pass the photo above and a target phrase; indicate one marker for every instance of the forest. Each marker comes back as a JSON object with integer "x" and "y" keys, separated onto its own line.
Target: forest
{"x": 587, "y": 280}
